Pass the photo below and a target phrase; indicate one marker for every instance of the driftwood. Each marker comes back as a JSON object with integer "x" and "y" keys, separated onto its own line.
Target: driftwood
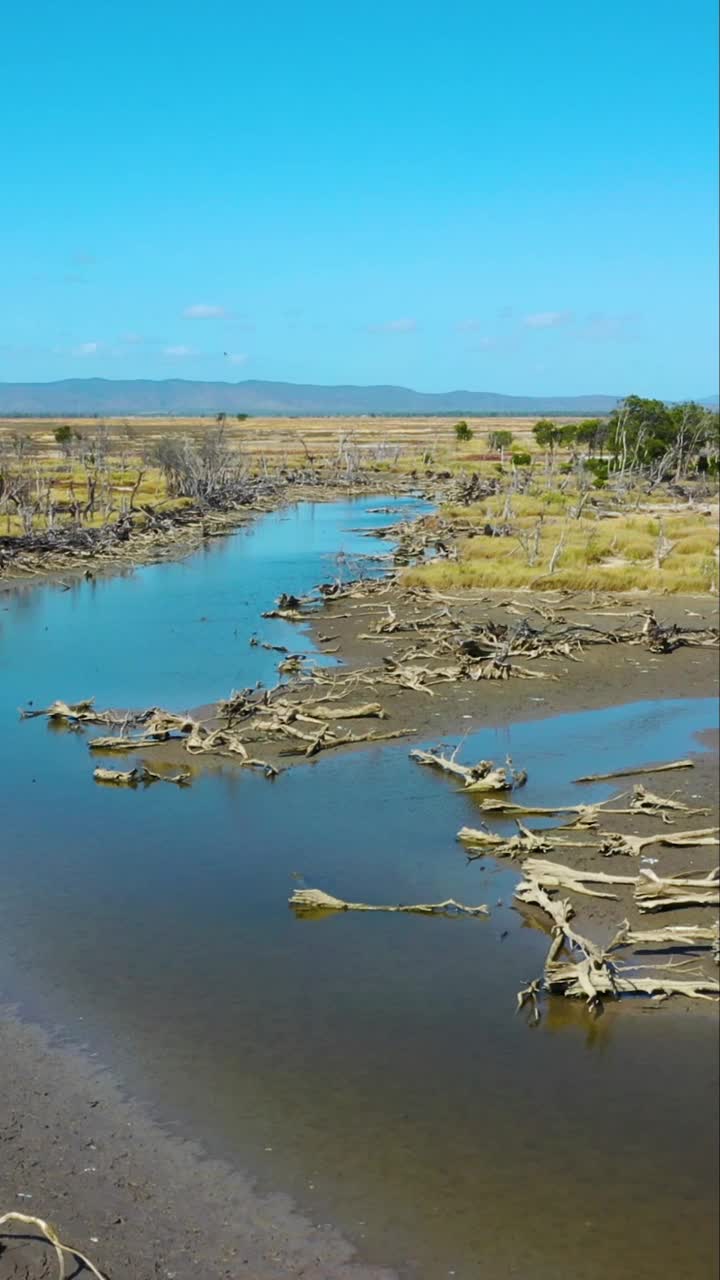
{"x": 324, "y": 740}
{"x": 365, "y": 711}
{"x": 525, "y": 841}
{"x": 643, "y": 801}
{"x": 123, "y": 743}
{"x": 553, "y": 875}
{"x": 595, "y": 974}
{"x": 617, "y": 843}
{"x": 660, "y": 893}
{"x": 631, "y": 773}
{"x": 675, "y": 935}
{"x": 141, "y": 775}
{"x": 586, "y": 815}
{"x": 483, "y": 776}
{"x": 51, "y": 1235}
{"x": 309, "y": 900}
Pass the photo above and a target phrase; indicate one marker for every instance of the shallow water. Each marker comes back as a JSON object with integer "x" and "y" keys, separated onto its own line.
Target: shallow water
{"x": 372, "y": 1065}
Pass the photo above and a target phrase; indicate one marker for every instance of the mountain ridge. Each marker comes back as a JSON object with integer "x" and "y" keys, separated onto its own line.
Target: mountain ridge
{"x": 173, "y": 396}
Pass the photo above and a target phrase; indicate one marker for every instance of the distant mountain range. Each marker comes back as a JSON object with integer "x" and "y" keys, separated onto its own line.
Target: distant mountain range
{"x": 85, "y": 397}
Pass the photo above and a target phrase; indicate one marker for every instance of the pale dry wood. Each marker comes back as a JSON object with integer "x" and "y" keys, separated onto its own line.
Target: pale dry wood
{"x": 631, "y": 773}
{"x": 316, "y": 900}
{"x": 139, "y": 775}
{"x": 553, "y": 875}
{"x": 618, "y": 843}
{"x": 596, "y": 975}
{"x": 674, "y": 935}
{"x": 483, "y": 776}
{"x": 644, "y": 801}
{"x": 525, "y": 841}
{"x": 363, "y": 711}
{"x": 660, "y": 893}
{"x": 51, "y": 1235}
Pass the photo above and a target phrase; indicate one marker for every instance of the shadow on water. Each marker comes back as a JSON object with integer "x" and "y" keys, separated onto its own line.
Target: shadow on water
{"x": 371, "y": 1064}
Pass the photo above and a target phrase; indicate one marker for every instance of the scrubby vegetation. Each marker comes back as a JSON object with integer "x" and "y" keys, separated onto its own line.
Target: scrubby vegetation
{"x": 618, "y": 503}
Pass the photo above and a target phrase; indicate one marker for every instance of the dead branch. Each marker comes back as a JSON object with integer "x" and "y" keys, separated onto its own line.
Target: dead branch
{"x": 675, "y": 935}
{"x": 483, "y": 776}
{"x": 51, "y": 1235}
{"x": 617, "y": 843}
{"x": 659, "y": 893}
{"x": 553, "y": 875}
{"x": 310, "y": 900}
{"x": 140, "y": 775}
{"x": 525, "y": 841}
{"x": 630, "y": 773}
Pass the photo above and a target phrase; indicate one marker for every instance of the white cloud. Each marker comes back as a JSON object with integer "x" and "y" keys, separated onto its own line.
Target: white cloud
{"x": 547, "y": 319}
{"x": 180, "y": 352}
{"x": 204, "y": 311}
{"x": 236, "y": 357}
{"x": 404, "y": 325}
{"x": 85, "y": 349}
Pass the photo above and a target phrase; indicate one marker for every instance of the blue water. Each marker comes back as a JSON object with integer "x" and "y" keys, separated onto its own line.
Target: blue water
{"x": 377, "y": 1056}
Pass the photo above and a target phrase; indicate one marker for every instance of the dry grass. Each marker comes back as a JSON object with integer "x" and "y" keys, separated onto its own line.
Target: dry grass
{"x": 590, "y": 554}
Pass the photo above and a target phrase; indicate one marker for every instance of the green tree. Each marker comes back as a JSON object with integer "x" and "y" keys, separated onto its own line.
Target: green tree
{"x": 66, "y": 438}
{"x": 220, "y": 417}
{"x": 548, "y": 436}
{"x": 463, "y": 432}
{"x": 242, "y": 417}
{"x": 569, "y": 435}
{"x": 499, "y": 441}
{"x": 640, "y": 431}
{"x": 592, "y": 433}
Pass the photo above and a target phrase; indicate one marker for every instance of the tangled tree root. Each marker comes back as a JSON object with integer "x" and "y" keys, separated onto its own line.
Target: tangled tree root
{"x": 596, "y": 975}
{"x": 51, "y": 1235}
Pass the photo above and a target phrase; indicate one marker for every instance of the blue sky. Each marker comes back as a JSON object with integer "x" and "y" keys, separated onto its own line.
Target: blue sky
{"x": 514, "y": 197}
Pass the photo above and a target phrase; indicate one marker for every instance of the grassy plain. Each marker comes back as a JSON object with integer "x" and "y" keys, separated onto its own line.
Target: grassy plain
{"x": 615, "y": 540}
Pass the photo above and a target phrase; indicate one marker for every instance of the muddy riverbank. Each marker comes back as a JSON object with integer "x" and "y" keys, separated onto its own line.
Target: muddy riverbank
{"x": 372, "y": 1067}
{"x": 138, "y": 1201}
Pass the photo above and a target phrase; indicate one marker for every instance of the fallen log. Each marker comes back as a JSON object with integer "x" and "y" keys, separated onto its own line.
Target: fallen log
{"x": 586, "y": 815}
{"x": 661, "y": 893}
{"x": 324, "y": 741}
{"x": 674, "y": 935}
{"x": 364, "y": 711}
{"x": 617, "y": 843}
{"x": 483, "y": 776}
{"x": 553, "y": 875}
{"x": 631, "y": 773}
{"x": 644, "y": 801}
{"x": 525, "y": 841}
{"x": 596, "y": 975}
{"x": 124, "y": 743}
{"x": 309, "y": 900}
{"x": 139, "y": 775}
